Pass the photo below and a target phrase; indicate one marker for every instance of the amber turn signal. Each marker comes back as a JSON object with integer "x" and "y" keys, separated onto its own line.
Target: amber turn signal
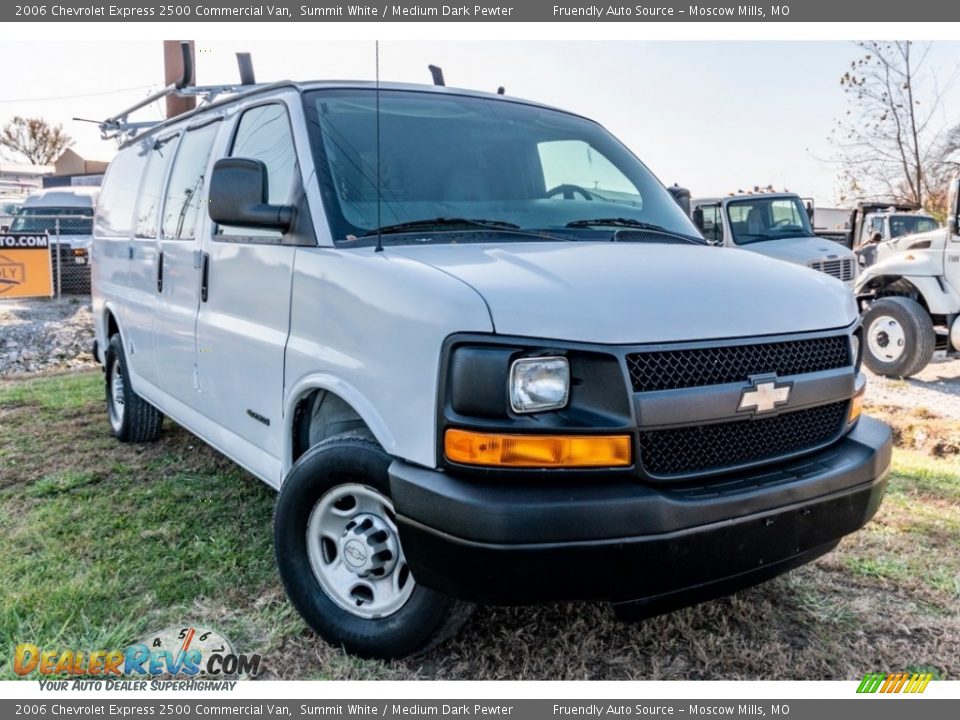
{"x": 856, "y": 406}
{"x": 553, "y": 451}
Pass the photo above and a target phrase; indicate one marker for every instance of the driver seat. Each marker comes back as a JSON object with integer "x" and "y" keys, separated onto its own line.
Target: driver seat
{"x": 755, "y": 223}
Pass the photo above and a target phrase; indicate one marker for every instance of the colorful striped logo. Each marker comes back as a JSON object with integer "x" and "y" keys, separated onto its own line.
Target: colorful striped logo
{"x": 894, "y": 682}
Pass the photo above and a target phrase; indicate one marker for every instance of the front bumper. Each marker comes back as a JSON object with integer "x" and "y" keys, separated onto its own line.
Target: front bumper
{"x": 518, "y": 541}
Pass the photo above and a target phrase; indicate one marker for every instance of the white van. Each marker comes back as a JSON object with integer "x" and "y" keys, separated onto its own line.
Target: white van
{"x": 9, "y": 206}
{"x": 66, "y": 214}
{"x": 481, "y": 353}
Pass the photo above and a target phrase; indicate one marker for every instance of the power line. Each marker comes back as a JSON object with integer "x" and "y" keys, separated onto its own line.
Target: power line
{"x": 75, "y": 97}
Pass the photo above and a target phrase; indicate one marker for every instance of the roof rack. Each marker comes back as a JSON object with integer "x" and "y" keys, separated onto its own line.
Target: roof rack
{"x": 120, "y": 126}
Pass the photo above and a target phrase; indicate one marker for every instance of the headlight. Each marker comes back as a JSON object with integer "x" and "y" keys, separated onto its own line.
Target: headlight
{"x": 538, "y": 384}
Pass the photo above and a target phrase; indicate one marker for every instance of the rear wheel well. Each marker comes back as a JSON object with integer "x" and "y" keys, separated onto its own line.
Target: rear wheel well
{"x": 320, "y": 414}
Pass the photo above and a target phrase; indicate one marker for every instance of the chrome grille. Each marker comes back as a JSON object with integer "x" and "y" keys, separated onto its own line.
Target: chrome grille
{"x": 842, "y": 269}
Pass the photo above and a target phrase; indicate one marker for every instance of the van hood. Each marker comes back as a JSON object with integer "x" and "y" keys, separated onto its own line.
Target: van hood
{"x": 624, "y": 293}
{"x": 799, "y": 250}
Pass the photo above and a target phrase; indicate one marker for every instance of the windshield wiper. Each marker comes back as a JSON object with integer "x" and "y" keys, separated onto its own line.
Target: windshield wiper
{"x": 441, "y": 223}
{"x": 618, "y": 222}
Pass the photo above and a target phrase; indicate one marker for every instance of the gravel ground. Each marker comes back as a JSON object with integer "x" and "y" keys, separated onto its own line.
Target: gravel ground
{"x": 936, "y": 389}
{"x": 38, "y": 335}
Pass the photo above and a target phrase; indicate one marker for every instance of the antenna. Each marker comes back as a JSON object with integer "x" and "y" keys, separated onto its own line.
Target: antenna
{"x": 377, "y": 93}
{"x": 245, "y": 63}
{"x": 437, "y": 73}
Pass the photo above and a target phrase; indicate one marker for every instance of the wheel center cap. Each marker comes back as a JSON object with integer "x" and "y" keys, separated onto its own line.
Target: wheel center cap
{"x": 354, "y": 554}
{"x": 369, "y": 547}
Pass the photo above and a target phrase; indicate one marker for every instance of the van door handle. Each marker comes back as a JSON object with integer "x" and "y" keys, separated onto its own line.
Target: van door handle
{"x": 160, "y": 272}
{"x": 204, "y": 276}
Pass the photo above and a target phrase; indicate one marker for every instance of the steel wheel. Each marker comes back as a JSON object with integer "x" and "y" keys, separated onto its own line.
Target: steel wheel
{"x": 117, "y": 397}
{"x": 886, "y": 339}
{"x": 354, "y": 551}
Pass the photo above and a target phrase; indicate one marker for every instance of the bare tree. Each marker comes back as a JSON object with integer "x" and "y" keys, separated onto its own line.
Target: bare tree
{"x": 34, "y": 139}
{"x": 893, "y": 142}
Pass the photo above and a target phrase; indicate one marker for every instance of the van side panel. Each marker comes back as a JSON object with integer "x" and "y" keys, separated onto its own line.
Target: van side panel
{"x": 367, "y": 326}
{"x": 142, "y": 293}
{"x": 112, "y": 231}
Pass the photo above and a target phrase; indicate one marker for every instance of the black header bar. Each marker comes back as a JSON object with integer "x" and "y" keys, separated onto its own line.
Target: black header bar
{"x": 486, "y": 11}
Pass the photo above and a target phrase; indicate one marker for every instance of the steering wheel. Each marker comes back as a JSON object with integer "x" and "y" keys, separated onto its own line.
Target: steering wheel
{"x": 569, "y": 190}
{"x": 783, "y": 221}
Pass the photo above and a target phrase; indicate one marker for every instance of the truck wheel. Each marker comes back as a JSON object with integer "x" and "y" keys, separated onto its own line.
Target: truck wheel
{"x": 339, "y": 554}
{"x": 899, "y": 337}
{"x": 132, "y": 419}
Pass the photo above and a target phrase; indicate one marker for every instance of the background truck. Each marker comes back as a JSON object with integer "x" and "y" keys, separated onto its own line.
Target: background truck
{"x": 773, "y": 224}
{"x": 879, "y": 232}
{"x": 910, "y": 297}
{"x": 66, "y": 215}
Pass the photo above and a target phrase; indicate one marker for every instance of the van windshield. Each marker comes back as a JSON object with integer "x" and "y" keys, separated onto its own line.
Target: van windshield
{"x": 72, "y": 220}
{"x": 452, "y": 166}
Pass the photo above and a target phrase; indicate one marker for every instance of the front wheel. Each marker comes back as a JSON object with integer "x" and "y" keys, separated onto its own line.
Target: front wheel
{"x": 132, "y": 419}
{"x": 340, "y": 558}
{"x": 899, "y": 337}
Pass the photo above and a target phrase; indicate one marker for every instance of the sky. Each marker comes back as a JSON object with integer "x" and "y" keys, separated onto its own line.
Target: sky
{"x": 714, "y": 117}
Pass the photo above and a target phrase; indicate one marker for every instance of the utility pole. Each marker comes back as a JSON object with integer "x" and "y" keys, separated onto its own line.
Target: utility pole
{"x": 172, "y": 72}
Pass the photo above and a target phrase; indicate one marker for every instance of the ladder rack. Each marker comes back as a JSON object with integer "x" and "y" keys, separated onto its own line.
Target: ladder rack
{"x": 120, "y": 125}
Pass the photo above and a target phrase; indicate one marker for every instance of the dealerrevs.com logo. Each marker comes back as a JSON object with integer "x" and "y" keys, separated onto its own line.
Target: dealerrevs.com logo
{"x": 894, "y": 682}
{"x": 175, "y": 652}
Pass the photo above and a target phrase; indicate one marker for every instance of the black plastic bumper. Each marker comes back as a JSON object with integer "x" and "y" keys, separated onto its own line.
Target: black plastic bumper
{"x": 519, "y": 542}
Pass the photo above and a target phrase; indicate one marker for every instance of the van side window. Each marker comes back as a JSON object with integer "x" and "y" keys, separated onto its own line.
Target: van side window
{"x": 151, "y": 188}
{"x": 119, "y": 193}
{"x": 185, "y": 189}
{"x": 263, "y": 133}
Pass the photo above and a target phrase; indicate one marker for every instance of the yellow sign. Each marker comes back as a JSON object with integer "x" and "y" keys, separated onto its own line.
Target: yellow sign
{"x": 25, "y": 267}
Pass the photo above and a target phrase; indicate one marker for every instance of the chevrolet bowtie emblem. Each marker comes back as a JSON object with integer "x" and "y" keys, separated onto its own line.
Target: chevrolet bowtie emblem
{"x": 764, "y": 396}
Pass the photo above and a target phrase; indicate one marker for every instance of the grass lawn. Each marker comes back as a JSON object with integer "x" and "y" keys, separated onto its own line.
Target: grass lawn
{"x": 104, "y": 542}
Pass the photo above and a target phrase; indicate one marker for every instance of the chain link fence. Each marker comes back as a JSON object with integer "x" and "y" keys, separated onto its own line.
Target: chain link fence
{"x": 70, "y": 236}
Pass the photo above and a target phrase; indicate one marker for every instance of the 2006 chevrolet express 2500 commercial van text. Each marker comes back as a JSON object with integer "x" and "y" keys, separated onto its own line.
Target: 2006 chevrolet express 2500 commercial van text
{"x": 481, "y": 353}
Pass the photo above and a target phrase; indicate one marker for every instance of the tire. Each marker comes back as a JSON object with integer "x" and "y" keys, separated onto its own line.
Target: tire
{"x": 132, "y": 419}
{"x": 335, "y": 489}
{"x": 898, "y": 337}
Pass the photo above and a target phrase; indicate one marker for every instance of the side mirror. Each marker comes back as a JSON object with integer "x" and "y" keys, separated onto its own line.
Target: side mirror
{"x": 953, "y": 216}
{"x": 697, "y": 217}
{"x": 239, "y": 196}
{"x": 4, "y": 228}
